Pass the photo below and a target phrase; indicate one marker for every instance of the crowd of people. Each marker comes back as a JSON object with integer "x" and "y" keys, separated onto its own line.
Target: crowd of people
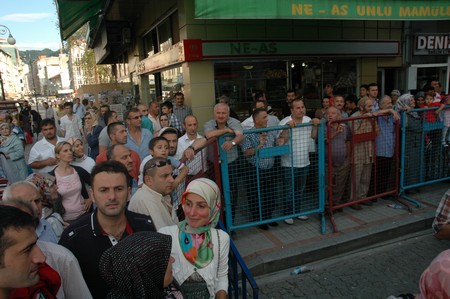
{"x": 118, "y": 215}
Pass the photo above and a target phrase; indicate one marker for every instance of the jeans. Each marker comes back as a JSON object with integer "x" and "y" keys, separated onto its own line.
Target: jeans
{"x": 294, "y": 186}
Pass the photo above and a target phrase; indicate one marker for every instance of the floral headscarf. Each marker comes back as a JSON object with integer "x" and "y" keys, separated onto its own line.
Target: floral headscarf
{"x": 44, "y": 182}
{"x": 403, "y": 102}
{"x": 435, "y": 280}
{"x": 196, "y": 243}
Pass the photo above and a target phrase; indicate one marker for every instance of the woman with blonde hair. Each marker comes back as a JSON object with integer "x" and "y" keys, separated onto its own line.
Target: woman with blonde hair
{"x": 93, "y": 130}
{"x": 13, "y": 154}
{"x": 71, "y": 182}
{"x": 199, "y": 249}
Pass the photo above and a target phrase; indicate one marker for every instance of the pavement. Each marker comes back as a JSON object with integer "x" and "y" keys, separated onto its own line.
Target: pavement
{"x": 287, "y": 246}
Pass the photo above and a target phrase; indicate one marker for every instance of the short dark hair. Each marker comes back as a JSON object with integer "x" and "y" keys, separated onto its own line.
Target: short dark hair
{"x": 153, "y": 141}
{"x": 372, "y": 85}
{"x": 110, "y": 166}
{"x": 256, "y": 100}
{"x": 11, "y": 217}
{"x": 167, "y": 104}
{"x": 290, "y": 91}
{"x": 366, "y": 86}
{"x": 427, "y": 88}
{"x": 111, "y": 128}
{"x": 110, "y": 150}
{"x": 178, "y": 94}
{"x": 352, "y": 98}
{"x": 108, "y": 115}
{"x": 48, "y": 121}
{"x": 68, "y": 104}
{"x": 105, "y": 106}
{"x": 257, "y": 111}
{"x": 134, "y": 109}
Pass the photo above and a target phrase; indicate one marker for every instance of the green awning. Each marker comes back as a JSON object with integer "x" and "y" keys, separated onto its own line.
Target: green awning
{"x": 75, "y": 13}
{"x": 401, "y": 10}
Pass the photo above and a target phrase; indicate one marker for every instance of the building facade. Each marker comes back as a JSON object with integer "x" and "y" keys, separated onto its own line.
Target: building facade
{"x": 164, "y": 47}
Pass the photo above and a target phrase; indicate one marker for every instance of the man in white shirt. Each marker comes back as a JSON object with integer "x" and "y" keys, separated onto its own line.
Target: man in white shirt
{"x": 49, "y": 113}
{"x": 153, "y": 198}
{"x": 250, "y": 124}
{"x": 71, "y": 125}
{"x": 189, "y": 143}
{"x": 301, "y": 141}
{"x": 153, "y": 112}
{"x": 79, "y": 109}
{"x": 42, "y": 154}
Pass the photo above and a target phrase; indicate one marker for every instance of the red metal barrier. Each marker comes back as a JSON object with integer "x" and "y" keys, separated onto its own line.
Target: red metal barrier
{"x": 362, "y": 161}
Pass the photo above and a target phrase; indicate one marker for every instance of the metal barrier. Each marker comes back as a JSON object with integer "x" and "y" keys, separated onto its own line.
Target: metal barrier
{"x": 362, "y": 161}
{"x": 206, "y": 164}
{"x": 425, "y": 158}
{"x": 280, "y": 180}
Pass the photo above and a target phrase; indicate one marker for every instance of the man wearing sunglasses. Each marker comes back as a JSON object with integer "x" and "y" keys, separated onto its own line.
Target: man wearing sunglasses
{"x": 137, "y": 137}
{"x": 153, "y": 198}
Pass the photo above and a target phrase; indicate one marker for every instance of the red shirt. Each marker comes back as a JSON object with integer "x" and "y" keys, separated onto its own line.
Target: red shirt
{"x": 430, "y": 116}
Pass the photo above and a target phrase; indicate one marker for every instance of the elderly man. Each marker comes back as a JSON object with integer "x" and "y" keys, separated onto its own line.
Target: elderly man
{"x": 385, "y": 149}
{"x": 363, "y": 151}
{"x": 137, "y": 137}
{"x": 28, "y": 191}
{"x": 153, "y": 112}
{"x": 120, "y": 153}
{"x": 19, "y": 253}
{"x": 42, "y": 154}
{"x": 189, "y": 143}
{"x": 253, "y": 145}
{"x": 301, "y": 140}
{"x": 224, "y": 124}
{"x": 107, "y": 225}
{"x": 153, "y": 198}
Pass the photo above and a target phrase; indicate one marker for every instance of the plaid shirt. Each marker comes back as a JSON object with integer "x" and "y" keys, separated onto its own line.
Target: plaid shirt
{"x": 442, "y": 213}
{"x": 174, "y": 122}
{"x": 251, "y": 140}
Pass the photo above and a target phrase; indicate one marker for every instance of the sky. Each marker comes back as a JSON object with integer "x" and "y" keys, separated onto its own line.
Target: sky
{"x": 33, "y": 23}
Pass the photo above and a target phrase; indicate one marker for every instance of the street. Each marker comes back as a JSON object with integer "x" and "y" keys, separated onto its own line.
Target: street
{"x": 390, "y": 268}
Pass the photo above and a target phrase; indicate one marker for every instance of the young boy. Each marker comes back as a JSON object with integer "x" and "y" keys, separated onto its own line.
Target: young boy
{"x": 174, "y": 122}
{"x": 159, "y": 148}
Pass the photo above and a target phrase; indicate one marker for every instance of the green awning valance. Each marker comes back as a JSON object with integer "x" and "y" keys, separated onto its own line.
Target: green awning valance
{"x": 73, "y": 14}
{"x": 401, "y": 10}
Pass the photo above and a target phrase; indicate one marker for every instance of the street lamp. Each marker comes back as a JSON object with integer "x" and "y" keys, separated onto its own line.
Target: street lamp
{"x": 3, "y": 31}
{"x": 12, "y": 41}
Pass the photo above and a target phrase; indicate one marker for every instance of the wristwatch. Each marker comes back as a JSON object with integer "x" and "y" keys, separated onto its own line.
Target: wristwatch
{"x": 233, "y": 143}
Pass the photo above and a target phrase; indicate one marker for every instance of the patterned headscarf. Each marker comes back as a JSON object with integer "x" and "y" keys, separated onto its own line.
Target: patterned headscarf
{"x": 435, "y": 280}
{"x": 44, "y": 182}
{"x": 136, "y": 266}
{"x": 403, "y": 103}
{"x": 196, "y": 243}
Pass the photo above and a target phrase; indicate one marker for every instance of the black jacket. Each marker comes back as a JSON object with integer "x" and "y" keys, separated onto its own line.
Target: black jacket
{"x": 87, "y": 242}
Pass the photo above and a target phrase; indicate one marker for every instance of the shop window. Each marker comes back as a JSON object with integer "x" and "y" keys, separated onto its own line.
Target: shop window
{"x": 171, "y": 82}
{"x": 163, "y": 36}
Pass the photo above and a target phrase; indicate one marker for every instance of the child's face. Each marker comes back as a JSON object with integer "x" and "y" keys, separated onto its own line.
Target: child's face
{"x": 429, "y": 100}
{"x": 160, "y": 150}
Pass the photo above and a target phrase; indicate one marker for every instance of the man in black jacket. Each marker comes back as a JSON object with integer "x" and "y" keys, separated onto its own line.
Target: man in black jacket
{"x": 110, "y": 222}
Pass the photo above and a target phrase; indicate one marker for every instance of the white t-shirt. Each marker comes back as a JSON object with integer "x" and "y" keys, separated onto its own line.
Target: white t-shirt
{"x": 42, "y": 150}
{"x": 301, "y": 143}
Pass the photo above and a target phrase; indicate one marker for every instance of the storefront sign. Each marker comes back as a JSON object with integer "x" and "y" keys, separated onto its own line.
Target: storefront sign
{"x": 219, "y": 49}
{"x": 432, "y": 44}
{"x": 172, "y": 56}
{"x": 401, "y": 10}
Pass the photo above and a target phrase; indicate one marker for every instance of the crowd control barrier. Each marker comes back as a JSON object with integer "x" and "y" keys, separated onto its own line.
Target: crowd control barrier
{"x": 362, "y": 161}
{"x": 425, "y": 155}
{"x": 281, "y": 179}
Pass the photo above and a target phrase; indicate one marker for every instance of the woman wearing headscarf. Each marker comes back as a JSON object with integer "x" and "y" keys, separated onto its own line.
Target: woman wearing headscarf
{"x": 413, "y": 137}
{"x": 12, "y": 149}
{"x": 199, "y": 249}
{"x": 140, "y": 266}
{"x": 52, "y": 208}
{"x": 92, "y": 133}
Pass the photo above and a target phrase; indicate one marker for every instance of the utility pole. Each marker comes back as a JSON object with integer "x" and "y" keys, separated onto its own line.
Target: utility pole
{"x": 3, "y": 88}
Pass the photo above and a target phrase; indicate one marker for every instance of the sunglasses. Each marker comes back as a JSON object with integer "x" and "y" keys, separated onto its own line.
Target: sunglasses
{"x": 160, "y": 163}
{"x": 136, "y": 117}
